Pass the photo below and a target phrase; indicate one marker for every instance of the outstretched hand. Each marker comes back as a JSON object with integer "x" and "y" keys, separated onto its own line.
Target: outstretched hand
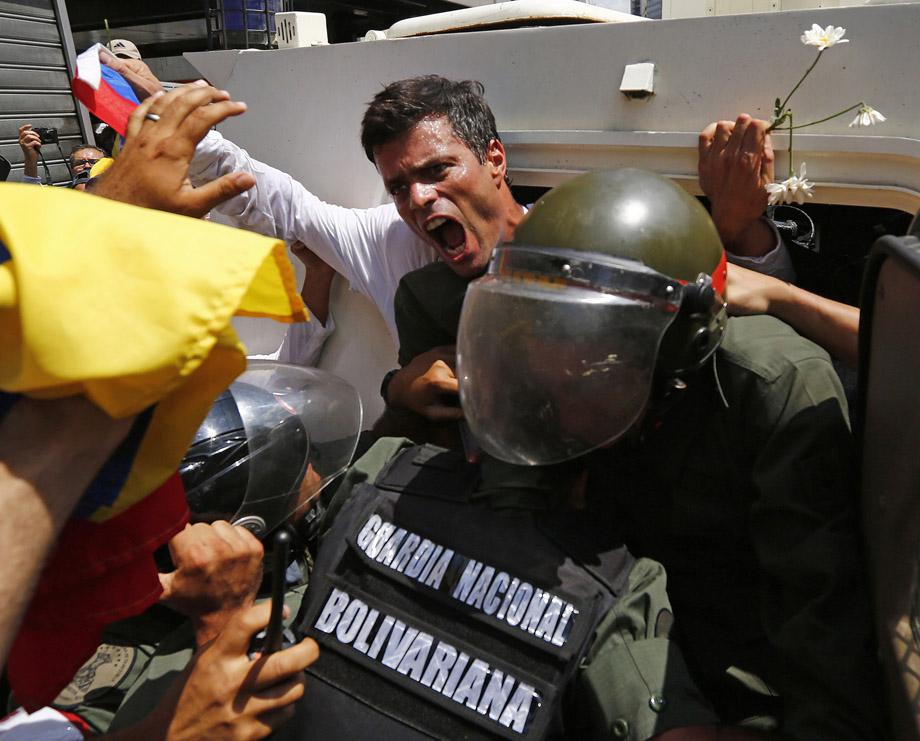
{"x": 136, "y": 73}
{"x": 227, "y": 695}
{"x": 735, "y": 166}
{"x": 152, "y": 168}
{"x": 428, "y": 386}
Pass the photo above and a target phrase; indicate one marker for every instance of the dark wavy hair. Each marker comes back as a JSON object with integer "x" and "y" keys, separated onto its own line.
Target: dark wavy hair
{"x": 402, "y": 104}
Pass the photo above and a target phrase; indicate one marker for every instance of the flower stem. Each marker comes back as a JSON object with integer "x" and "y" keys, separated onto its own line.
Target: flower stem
{"x": 778, "y": 122}
{"x": 789, "y": 113}
{"x": 807, "y": 72}
{"x": 828, "y": 118}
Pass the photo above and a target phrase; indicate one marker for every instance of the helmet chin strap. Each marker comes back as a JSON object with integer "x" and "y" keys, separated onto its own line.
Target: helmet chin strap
{"x": 715, "y": 376}
{"x": 668, "y": 392}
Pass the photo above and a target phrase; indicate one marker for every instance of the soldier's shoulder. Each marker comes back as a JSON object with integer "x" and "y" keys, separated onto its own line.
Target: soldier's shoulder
{"x": 770, "y": 348}
{"x": 369, "y": 465}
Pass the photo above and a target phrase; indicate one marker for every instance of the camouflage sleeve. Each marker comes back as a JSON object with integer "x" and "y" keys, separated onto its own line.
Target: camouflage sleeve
{"x": 634, "y": 684}
{"x": 100, "y": 686}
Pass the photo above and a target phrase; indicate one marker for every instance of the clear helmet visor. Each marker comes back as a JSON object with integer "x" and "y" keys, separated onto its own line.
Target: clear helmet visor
{"x": 270, "y": 445}
{"x": 553, "y": 369}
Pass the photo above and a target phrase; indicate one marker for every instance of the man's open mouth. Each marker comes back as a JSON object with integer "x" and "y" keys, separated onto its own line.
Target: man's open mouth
{"x": 449, "y": 235}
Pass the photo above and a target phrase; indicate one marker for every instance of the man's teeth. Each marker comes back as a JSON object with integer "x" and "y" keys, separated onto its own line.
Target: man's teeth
{"x": 435, "y": 223}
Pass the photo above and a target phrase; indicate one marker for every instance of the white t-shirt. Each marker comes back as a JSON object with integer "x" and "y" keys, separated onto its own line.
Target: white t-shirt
{"x": 372, "y": 248}
{"x": 776, "y": 262}
{"x": 302, "y": 344}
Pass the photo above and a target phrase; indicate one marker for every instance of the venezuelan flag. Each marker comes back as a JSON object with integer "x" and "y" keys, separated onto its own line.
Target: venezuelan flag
{"x": 105, "y": 92}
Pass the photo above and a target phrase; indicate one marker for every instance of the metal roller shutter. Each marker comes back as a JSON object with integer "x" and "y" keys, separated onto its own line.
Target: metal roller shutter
{"x": 36, "y": 63}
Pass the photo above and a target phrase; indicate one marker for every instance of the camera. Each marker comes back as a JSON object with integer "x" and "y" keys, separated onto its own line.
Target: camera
{"x": 47, "y": 135}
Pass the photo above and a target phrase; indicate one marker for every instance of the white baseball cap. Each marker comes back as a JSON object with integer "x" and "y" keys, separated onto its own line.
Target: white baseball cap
{"x": 124, "y": 49}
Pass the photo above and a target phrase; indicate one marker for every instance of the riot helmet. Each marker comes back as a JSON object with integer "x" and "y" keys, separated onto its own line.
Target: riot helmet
{"x": 613, "y": 278}
{"x": 269, "y": 445}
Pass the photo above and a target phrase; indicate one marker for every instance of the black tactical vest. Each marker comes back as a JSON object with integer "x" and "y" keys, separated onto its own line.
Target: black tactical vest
{"x": 438, "y": 616}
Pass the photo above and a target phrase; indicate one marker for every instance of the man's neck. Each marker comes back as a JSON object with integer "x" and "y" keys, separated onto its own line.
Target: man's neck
{"x": 514, "y": 212}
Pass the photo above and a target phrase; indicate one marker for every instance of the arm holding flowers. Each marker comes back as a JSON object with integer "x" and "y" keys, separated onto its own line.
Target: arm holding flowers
{"x": 735, "y": 166}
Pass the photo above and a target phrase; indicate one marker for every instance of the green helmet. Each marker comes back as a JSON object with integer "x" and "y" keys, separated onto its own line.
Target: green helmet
{"x": 639, "y": 215}
{"x": 613, "y": 277}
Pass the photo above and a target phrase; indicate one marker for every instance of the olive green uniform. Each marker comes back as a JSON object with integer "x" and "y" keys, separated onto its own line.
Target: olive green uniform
{"x": 743, "y": 486}
{"x": 633, "y": 682}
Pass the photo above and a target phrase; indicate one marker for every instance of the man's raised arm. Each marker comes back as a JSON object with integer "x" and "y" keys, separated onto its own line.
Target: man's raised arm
{"x": 371, "y": 248}
{"x": 831, "y": 324}
{"x": 735, "y": 166}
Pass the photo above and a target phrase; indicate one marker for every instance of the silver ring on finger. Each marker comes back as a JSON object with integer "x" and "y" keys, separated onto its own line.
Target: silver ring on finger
{"x": 151, "y": 117}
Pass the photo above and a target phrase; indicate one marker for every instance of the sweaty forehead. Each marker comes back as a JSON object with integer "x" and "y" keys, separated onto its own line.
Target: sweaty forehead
{"x": 436, "y": 129}
{"x": 427, "y": 141}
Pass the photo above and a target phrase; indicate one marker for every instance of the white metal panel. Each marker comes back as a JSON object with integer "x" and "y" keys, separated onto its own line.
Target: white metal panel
{"x": 566, "y": 78}
{"x": 698, "y": 8}
{"x": 806, "y": 4}
{"x": 554, "y": 94}
{"x": 734, "y": 6}
{"x": 687, "y": 8}
{"x": 849, "y": 170}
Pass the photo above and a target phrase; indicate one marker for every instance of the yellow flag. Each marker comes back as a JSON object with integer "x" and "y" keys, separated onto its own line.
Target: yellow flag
{"x": 131, "y": 307}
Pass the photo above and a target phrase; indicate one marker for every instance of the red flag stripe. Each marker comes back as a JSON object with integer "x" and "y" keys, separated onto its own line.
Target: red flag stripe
{"x": 105, "y": 103}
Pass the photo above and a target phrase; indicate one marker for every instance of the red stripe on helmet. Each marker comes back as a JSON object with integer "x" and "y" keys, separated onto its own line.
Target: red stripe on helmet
{"x": 719, "y": 275}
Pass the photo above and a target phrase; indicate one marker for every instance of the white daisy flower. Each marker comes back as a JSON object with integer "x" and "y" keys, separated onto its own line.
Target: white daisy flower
{"x": 867, "y": 116}
{"x": 793, "y": 189}
{"x": 824, "y": 38}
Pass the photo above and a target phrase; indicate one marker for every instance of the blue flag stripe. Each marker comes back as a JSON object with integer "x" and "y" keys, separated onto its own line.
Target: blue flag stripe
{"x": 105, "y": 488}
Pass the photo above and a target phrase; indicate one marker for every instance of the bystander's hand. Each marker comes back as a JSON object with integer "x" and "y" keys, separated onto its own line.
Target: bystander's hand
{"x": 428, "y": 386}
{"x": 29, "y": 142}
{"x": 735, "y": 166}
{"x": 163, "y": 131}
{"x": 225, "y": 694}
{"x": 218, "y": 571}
{"x": 136, "y": 73}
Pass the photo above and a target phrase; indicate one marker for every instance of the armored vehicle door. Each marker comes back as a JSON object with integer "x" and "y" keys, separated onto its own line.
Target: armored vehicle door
{"x": 889, "y": 345}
